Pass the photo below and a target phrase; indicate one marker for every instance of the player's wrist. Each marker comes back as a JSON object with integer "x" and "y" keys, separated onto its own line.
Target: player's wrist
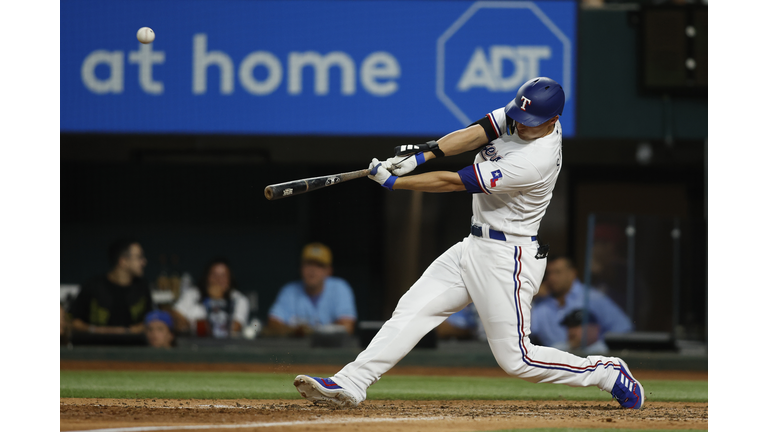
{"x": 390, "y": 182}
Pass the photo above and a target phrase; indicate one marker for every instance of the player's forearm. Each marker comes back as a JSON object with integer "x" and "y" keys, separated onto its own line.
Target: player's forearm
{"x": 435, "y": 181}
{"x": 460, "y": 141}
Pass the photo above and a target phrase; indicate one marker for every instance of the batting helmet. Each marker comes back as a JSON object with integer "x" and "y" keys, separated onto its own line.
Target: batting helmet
{"x": 537, "y": 101}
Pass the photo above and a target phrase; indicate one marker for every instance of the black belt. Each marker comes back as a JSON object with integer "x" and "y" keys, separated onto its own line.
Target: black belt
{"x": 492, "y": 233}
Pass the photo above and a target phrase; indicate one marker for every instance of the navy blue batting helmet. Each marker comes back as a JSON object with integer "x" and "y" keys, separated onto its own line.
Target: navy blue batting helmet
{"x": 537, "y": 101}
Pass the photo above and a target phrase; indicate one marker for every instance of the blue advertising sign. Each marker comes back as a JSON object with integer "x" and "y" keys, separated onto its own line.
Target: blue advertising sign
{"x": 306, "y": 67}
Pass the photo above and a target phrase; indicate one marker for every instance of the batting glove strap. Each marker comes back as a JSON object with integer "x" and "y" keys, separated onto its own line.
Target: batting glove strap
{"x": 409, "y": 149}
{"x": 390, "y": 182}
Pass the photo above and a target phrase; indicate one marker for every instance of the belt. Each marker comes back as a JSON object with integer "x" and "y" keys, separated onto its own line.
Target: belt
{"x": 477, "y": 230}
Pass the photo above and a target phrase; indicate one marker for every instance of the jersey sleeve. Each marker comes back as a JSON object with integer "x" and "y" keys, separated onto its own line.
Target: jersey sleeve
{"x": 494, "y": 123}
{"x": 504, "y": 176}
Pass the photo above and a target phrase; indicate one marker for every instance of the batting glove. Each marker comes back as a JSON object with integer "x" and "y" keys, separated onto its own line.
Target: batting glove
{"x": 402, "y": 165}
{"x": 380, "y": 174}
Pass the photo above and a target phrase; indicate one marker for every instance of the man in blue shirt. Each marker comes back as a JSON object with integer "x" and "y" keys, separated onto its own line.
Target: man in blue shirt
{"x": 566, "y": 294}
{"x": 317, "y": 299}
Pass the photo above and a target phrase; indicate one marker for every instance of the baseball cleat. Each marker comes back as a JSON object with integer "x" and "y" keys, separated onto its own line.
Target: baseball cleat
{"x": 627, "y": 390}
{"x": 323, "y": 390}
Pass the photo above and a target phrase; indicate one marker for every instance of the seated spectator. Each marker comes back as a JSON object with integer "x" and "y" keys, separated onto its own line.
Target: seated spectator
{"x": 317, "y": 299}
{"x": 115, "y": 303}
{"x": 159, "y": 329}
{"x": 464, "y": 324}
{"x": 574, "y": 322}
{"x": 566, "y": 294}
{"x": 216, "y": 308}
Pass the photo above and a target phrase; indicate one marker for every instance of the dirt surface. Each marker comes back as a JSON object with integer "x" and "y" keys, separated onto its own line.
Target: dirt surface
{"x": 372, "y": 416}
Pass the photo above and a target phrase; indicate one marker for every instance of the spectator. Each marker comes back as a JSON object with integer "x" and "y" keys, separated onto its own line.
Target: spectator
{"x": 566, "y": 294}
{"x": 216, "y": 308}
{"x": 115, "y": 303}
{"x": 574, "y": 322}
{"x": 159, "y": 329}
{"x": 317, "y": 299}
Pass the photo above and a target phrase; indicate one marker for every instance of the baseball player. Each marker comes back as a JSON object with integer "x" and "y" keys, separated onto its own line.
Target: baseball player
{"x": 498, "y": 266}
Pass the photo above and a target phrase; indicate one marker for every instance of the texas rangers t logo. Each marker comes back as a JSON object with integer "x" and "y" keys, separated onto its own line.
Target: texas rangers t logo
{"x": 524, "y": 101}
{"x": 496, "y": 176}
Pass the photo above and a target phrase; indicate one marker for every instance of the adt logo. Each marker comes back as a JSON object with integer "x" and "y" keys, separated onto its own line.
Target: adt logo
{"x": 491, "y": 50}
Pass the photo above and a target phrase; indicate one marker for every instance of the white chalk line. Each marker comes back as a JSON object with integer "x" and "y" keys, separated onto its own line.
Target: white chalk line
{"x": 262, "y": 425}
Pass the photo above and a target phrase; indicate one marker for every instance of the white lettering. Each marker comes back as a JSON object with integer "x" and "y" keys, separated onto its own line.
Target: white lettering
{"x": 297, "y": 61}
{"x": 113, "y": 84}
{"x": 480, "y": 72}
{"x": 533, "y": 56}
{"x": 202, "y": 59}
{"x": 145, "y": 58}
{"x": 499, "y": 53}
{"x": 524, "y": 101}
{"x": 380, "y": 65}
{"x": 274, "y": 73}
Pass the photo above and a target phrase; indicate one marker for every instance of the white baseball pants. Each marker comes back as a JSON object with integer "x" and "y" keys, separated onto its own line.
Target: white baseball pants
{"x": 501, "y": 278}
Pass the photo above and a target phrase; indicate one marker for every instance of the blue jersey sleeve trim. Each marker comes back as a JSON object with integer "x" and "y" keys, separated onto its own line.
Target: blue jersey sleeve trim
{"x": 470, "y": 180}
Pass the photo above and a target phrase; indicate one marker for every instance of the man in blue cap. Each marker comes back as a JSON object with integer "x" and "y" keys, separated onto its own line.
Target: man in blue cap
{"x": 499, "y": 266}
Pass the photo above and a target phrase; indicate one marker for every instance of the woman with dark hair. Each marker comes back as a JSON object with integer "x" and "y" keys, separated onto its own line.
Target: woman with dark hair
{"x": 215, "y": 308}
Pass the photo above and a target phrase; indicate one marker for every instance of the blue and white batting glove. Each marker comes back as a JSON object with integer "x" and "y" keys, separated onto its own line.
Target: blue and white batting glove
{"x": 402, "y": 165}
{"x": 380, "y": 174}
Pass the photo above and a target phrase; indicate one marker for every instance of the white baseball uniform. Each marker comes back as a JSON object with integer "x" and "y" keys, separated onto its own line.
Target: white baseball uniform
{"x": 495, "y": 267}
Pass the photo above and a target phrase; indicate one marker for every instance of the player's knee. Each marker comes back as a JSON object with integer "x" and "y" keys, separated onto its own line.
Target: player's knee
{"x": 513, "y": 366}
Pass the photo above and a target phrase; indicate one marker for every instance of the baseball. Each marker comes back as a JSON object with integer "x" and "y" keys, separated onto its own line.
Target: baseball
{"x": 145, "y": 35}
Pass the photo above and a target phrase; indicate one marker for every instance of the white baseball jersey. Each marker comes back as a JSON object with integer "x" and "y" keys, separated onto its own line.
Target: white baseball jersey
{"x": 513, "y": 179}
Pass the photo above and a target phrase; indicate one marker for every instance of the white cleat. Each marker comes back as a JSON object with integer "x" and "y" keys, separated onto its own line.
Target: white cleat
{"x": 324, "y": 390}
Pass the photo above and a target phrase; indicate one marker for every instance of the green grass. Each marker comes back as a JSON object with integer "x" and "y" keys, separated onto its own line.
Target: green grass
{"x": 237, "y": 385}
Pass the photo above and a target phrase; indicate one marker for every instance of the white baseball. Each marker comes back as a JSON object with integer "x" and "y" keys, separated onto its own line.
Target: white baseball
{"x": 145, "y": 35}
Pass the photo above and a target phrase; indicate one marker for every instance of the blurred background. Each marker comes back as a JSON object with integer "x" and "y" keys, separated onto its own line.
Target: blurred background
{"x": 173, "y": 142}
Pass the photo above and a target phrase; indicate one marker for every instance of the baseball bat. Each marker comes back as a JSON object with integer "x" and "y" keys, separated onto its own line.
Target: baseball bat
{"x": 297, "y": 187}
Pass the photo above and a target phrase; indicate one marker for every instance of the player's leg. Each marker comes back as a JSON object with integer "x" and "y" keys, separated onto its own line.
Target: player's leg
{"x": 502, "y": 280}
{"x": 439, "y": 293}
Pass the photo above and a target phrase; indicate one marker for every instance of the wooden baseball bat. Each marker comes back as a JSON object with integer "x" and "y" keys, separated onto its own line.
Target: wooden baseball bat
{"x": 297, "y": 187}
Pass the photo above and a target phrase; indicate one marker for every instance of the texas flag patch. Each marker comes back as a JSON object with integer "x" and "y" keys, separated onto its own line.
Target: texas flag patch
{"x": 495, "y": 176}
{"x": 472, "y": 177}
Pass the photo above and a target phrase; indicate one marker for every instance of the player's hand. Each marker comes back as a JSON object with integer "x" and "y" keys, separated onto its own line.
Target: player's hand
{"x": 380, "y": 174}
{"x": 402, "y": 165}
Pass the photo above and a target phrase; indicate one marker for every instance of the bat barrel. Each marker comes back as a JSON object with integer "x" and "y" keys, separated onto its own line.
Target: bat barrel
{"x": 297, "y": 187}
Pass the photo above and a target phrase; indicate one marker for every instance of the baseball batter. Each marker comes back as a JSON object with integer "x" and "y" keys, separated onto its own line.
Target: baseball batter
{"x": 498, "y": 266}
